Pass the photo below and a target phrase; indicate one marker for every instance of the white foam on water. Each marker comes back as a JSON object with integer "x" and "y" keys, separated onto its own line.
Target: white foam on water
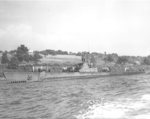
{"x": 98, "y": 111}
{"x": 146, "y": 97}
{"x": 118, "y": 109}
{"x": 142, "y": 116}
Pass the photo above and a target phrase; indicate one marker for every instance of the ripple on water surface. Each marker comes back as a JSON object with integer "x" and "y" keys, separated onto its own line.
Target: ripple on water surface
{"x": 121, "y": 97}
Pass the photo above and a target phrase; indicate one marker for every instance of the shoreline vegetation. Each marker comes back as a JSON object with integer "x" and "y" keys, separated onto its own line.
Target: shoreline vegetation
{"x": 23, "y": 60}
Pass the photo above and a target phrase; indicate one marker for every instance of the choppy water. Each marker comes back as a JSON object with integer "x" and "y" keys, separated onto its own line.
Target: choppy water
{"x": 121, "y": 97}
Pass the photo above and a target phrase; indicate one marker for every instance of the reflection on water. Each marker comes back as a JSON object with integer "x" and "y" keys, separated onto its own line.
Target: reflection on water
{"x": 121, "y": 97}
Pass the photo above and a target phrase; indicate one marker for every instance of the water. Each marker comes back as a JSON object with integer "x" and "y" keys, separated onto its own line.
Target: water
{"x": 120, "y": 97}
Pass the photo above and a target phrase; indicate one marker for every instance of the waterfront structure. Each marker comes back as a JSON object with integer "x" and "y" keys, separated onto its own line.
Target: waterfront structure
{"x": 86, "y": 68}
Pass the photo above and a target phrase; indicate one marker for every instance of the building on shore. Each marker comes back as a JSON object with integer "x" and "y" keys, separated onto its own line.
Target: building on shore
{"x": 47, "y": 68}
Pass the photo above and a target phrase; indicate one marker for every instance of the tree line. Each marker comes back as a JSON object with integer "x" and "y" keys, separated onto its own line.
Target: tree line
{"x": 17, "y": 56}
{"x": 14, "y": 57}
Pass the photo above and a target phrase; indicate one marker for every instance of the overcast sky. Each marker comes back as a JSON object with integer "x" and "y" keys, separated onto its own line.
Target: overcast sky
{"x": 114, "y": 26}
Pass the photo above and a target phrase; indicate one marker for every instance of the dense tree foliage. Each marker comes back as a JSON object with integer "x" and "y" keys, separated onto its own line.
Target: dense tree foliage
{"x": 12, "y": 52}
{"x": 19, "y": 55}
{"x": 4, "y": 59}
{"x": 79, "y": 54}
{"x": 13, "y": 64}
{"x": 53, "y": 52}
{"x": 22, "y": 53}
{"x": 147, "y": 60}
{"x": 36, "y": 56}
{"x": 109, "y": 58}
{"x": 122, "y": 60}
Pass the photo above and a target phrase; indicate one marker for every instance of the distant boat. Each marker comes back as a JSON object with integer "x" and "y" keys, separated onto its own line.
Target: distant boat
{"x": 43, "y": 76}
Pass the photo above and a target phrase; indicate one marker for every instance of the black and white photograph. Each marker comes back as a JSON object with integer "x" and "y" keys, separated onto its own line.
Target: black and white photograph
{"x": 74, "y": 59}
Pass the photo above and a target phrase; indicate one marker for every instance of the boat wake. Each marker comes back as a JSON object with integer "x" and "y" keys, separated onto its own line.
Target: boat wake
{"x": 118, "y": 109}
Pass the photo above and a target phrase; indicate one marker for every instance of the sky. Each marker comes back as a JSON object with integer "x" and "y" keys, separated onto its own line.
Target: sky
{"x": 114, "y": 26}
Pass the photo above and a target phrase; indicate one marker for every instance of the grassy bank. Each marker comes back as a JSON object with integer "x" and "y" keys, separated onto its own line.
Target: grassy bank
{"x": 61, "y": 59}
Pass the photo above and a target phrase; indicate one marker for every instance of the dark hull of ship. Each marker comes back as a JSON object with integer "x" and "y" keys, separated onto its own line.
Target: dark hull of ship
{"x": 70, "y": 76}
